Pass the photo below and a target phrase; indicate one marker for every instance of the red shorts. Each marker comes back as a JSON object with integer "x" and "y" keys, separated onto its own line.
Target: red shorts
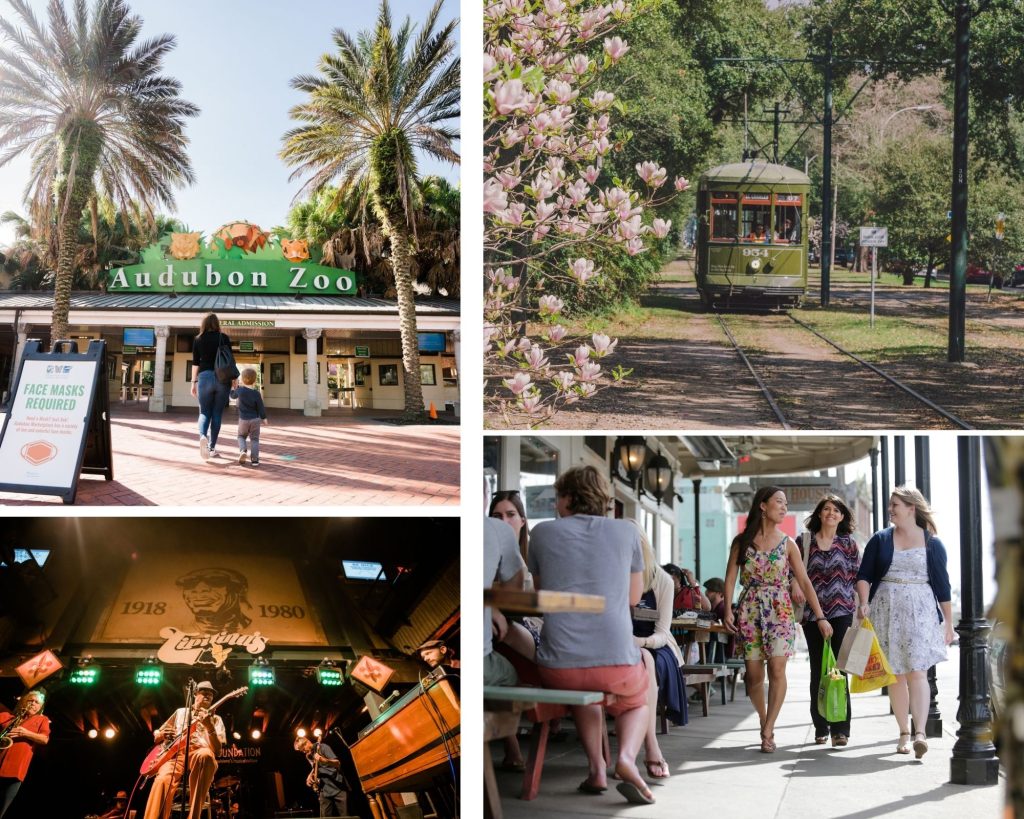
{"x": 627, "y": 682}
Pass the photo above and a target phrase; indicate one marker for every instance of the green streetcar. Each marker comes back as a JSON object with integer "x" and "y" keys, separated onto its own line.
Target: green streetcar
{"x": 752, "y": 236}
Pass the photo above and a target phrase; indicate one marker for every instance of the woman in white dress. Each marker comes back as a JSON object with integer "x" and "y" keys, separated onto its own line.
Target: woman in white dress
{"x": 904, "y": 585}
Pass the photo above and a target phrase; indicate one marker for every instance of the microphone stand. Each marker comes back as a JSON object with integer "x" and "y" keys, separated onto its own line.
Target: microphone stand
{"x": 189, "y": 703}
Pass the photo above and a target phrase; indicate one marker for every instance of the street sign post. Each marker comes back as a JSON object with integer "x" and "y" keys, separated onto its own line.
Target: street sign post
{"x": 874, "y": 237}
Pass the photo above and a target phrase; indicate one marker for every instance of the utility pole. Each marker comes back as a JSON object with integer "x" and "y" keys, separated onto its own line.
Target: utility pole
{"x": 826, "y": 177}
{"x": 777, "y": 111}
{"x": 958, "y": 262}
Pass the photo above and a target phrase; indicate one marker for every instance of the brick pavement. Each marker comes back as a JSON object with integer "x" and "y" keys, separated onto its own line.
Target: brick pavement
{"x": 340, "y": 459}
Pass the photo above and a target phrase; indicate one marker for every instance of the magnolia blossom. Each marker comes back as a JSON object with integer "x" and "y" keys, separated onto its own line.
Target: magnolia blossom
{"x": 509, "y": 95}
{"x": 531, "y": 402}
{"x": 582, "y": 270}
{"x": 602, "y": 344}
{"x": 587, "y": 390}
{"x": 561, "y": 92}
{"x": 550, "y": 305}
{"x": 556, "y": 333}
{"x": 508, "y": 179}
{"x": 681, "y": 183}
{"x": 544, "y": 210}
{"x": 652, "y": 174}
{"x": 513, "y": 214}
{"x": 582, "y": 355}
{"x": 635, "y": 246}
{"x": 495, "y": 197}
{"x": 579, "y": 65}
{"x": 491, "y": 69}
{"x": 630, "y": 228}
{"x": 589, "y": 371}
{"x": 563, "y": 380}
{"x": 601, "y": 100}
{"x": 591, "y": 174}
{"x": 535, "y": 357}
{"x": 615, "y": 48}
{"x": 661, "y": 227}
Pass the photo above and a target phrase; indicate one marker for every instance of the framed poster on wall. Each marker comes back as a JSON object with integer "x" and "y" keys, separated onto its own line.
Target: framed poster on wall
{"x": 277, "y": 373}
{"x": 388, "y": 375}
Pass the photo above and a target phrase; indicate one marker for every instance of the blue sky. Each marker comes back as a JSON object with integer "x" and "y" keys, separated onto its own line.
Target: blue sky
{"x": 235, "y": 60}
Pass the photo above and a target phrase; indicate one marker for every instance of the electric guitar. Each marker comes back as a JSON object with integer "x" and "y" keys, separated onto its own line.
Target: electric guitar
{"x": 164, "y": 751}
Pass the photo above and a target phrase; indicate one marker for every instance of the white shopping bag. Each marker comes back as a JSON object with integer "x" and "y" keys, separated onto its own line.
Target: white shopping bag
{"x": 856, "y": 649}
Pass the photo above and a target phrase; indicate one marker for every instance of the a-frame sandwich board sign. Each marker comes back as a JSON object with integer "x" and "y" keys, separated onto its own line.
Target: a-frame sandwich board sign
{"x": 58, "y": 422}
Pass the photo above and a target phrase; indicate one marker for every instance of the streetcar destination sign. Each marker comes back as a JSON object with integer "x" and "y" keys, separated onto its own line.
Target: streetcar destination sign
{"x": 874, "y": 237}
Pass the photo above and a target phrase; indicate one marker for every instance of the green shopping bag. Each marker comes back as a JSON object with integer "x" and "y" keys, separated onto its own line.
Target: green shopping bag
{"x": 832, "y": 688}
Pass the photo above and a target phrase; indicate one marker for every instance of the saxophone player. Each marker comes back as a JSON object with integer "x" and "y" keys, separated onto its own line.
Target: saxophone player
{"x": 327, "y": 781}
{"x": 24, "y": 729}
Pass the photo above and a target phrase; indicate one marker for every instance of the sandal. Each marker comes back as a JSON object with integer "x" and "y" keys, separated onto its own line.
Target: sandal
{"x": 821, "y": 740}
{"x": 768, "y": 744}
{"x": 659, "y": 764}
{"x": 903, "y": 746}
{"x": 920, "y": 746}
{"x": 840, "y": 740}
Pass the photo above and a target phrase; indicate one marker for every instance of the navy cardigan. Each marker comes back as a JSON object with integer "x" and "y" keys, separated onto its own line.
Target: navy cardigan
{"x": 878, "y": 558}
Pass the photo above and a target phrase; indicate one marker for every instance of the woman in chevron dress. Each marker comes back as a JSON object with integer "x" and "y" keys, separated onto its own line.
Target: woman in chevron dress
{"x": 832, "y": 559}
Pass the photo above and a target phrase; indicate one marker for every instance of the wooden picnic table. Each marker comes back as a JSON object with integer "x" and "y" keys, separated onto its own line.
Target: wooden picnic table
{"x": 543, "y": 602}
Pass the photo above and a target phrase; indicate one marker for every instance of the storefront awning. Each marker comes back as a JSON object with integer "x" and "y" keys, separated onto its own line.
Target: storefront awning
{"x": 750, "y": 455}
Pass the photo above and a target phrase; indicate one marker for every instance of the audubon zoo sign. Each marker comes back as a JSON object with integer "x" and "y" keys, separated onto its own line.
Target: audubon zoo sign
{"x": 238, "y": 258}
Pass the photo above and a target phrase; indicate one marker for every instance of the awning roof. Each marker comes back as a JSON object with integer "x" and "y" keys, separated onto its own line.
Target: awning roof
{"x": 751, "y": 455}
{"x": 224, "y": 303}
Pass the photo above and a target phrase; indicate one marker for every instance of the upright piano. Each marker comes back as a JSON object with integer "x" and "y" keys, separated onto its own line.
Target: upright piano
{"x": 413, "y": 745}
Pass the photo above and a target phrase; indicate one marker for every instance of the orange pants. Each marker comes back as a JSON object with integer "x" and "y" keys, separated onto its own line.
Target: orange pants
{"x": 202, "y": 767}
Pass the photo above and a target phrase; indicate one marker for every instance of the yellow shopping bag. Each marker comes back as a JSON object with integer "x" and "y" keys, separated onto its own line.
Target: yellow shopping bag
{"x": 878, "y": 672}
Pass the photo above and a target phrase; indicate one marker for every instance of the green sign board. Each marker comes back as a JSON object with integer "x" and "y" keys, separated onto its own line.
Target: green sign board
{"x": 129, "y": 349}
{"x": 254, "y": 276}
{"x": 245, "y": 346}
{"x": 238, "y": 257}
{"x": 248, "y": 323}
{"x": 362, "y": 352}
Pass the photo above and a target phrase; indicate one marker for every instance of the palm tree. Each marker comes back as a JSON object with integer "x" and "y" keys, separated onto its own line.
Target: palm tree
{"x": 376, "y": 101}
{"x": 90, "y": 107}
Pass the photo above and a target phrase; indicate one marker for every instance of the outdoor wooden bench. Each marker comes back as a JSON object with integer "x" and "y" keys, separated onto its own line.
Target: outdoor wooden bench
{"x": 541, "y": 706}
{"x": 704, "y": 675}
{"x": 735, "y": 668}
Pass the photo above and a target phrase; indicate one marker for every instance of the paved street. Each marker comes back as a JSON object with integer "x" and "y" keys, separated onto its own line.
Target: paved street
{"x": 717, "y": 770}
{"x": 341, "y": 459}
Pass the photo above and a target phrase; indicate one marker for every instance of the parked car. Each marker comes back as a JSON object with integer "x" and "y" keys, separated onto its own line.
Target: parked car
{"x": 1017, "y": 276}
{"x": 976, "y": 274}
{"x": 844, "y": 256}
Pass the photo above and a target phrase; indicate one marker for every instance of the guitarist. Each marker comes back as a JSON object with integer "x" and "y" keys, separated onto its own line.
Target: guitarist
{"x": 328, "y": 781}
{"x": 204, "y": 746}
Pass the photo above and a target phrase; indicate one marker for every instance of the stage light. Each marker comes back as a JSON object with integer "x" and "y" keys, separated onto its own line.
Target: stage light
{"x": 317, "y": 732}
{"x": 328, "y": 674}
{"x": 301, "y": 732}
{"x": 85, "y": 673}
{"x": 236, "y": 735}
{"x": 93, "y": 733}
{"x": 261, "y": 673}
{"x": 256, "y": 733}
{"x": 110, "y": 733}
{"x": 150, "y": 674}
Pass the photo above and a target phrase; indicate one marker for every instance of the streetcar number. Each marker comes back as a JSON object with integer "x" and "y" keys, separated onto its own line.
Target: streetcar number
{"x": 755, "y": 251}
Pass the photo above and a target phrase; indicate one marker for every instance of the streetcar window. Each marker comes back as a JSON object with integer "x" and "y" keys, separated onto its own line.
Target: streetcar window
{"x": 756, "y": 222}
{"x": 723, "y": 221}
{"x": 787, "y": 218}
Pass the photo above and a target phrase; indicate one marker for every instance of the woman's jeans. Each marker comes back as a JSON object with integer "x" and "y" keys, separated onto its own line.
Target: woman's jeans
{"x": 213, "y": 397}
{"x": 815, "y": 646}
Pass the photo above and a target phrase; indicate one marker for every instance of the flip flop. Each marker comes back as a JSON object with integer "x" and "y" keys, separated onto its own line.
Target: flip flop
{"x": 661, "y": 765}
{"x": 633, "y": 794}
{"x": 587, "y": 787}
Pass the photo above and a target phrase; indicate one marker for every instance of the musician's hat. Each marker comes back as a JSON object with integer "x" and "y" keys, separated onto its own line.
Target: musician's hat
{"x": 205, "y": 685}
{"x": 431, "y": 644}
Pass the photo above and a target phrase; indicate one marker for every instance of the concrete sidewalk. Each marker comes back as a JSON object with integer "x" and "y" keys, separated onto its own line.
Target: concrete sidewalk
{"x": 717, "y": 770}
{"x": 340, "y": 459}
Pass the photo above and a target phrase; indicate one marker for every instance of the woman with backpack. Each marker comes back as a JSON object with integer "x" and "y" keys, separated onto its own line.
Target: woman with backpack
{"x": 212, "y": 393}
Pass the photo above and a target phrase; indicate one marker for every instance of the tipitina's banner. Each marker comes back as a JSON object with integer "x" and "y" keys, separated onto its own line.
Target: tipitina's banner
{"x": 202, "y": 606}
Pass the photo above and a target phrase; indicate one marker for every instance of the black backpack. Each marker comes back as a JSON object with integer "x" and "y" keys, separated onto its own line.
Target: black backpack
{"x": 224, "y": 363}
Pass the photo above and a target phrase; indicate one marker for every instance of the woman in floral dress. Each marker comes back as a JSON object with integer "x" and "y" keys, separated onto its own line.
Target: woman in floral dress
{"x": 904, "y": 585}
{"x": 762, "y": 555}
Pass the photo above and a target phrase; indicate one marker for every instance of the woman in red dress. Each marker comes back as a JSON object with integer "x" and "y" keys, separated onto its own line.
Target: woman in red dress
{"x": 33, "y": 730}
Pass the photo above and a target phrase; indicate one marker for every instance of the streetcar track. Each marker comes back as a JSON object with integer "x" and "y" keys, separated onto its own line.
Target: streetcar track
{"x": 773, "y": 403}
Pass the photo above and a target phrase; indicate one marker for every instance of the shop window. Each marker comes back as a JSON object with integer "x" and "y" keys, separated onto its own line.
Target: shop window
{"x": 428, "y": 377}
{"x": 664, "y": 541}
{"x": 450, "y": 376}
{"x": 538, "y": 468}
{"x": 387, "y": 375}
{"x": 305, "y": 372}
{"x": 362, "y": 374}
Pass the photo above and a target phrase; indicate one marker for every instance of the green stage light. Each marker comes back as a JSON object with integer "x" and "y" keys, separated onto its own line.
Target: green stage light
{"x": 149, "y": 675}
{"x": 326, "y": 675}
{"x": 84, "y": 675}
{"x": 261, "y": 673}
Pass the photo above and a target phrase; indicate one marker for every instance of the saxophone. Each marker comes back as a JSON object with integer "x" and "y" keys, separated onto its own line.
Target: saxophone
{"x": 19, "y": 717}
